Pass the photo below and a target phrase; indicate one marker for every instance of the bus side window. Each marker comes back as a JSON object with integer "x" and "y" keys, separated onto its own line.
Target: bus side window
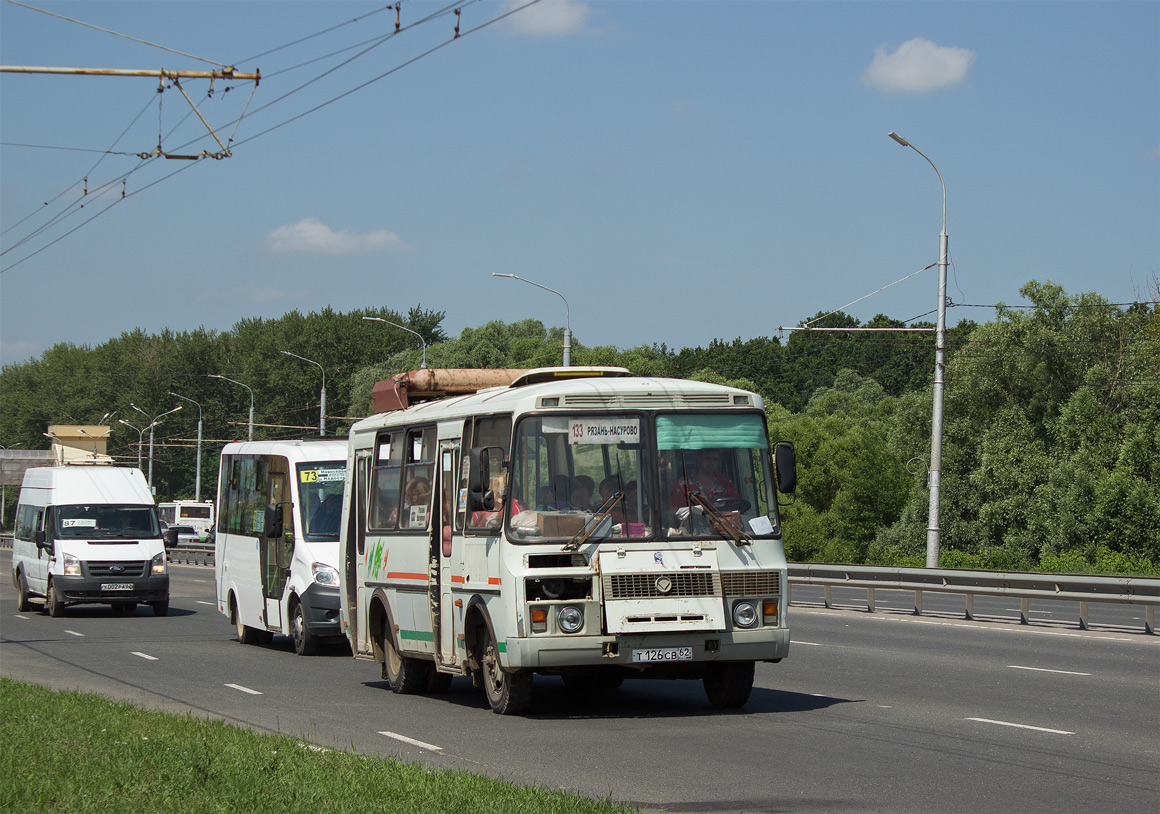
{"x": 385, "y": 480}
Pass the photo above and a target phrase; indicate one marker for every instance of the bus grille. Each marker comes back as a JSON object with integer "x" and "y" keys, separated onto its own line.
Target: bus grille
{"x": 644, "y": 586}
{"x": 750, "y": 583}
{"x": 98, "y": 568}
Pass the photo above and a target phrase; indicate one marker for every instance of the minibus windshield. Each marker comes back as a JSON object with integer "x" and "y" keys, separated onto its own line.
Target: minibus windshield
{"x": 105, "y": 520}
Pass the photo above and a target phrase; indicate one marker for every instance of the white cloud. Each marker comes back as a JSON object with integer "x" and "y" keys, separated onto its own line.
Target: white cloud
{"x": 918, "y": 66}
{"x": 311, "y": 236}
{"x": 548, "y": 18}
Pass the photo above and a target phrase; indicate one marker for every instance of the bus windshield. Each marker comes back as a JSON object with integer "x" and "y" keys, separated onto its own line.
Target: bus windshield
{"x": 105, "y": 520}
{"x": 676, "y": 475}
{"x": 581, "y": 475}
{"x": 320, "y": 499}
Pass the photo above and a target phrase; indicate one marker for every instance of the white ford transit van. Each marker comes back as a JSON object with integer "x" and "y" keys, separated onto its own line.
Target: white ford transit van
{"x": 89, "y": 534}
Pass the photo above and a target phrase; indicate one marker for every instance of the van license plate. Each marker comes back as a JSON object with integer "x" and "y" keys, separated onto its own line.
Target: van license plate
{"x": 663, "y": 654}
{"x": 116, "y": 586}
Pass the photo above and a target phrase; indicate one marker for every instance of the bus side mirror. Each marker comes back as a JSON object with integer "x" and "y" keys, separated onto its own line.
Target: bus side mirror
{"x": 273, "y": 524}
{"x": 486, "y": 462}
{"x": 785, "y": 464}
{"x": 39, "y": 538}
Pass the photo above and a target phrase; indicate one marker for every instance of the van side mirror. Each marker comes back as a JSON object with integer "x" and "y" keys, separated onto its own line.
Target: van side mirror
{"x": 785, "y": 464}
{"x": 273, "y": 522}
{"x": 39, "y": 538}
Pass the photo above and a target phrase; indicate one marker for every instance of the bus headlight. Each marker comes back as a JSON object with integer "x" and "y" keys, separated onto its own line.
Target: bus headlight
{"x": 744, "y": 614}
{"x": 570, "y": 619}
{"x": 324, "y": 574}
{"x": 157, "y": 564}
{"x": 72, "y": 566}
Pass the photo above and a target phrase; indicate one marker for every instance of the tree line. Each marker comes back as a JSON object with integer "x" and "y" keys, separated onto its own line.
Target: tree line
{"x": 1051, "y": 442}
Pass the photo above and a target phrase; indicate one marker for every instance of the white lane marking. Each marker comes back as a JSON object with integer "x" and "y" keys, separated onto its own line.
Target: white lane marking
{"x": 240, "y": 688}
{"x": 1045, "y": 670}
{"x": 25, "y": 618}
{"x": 811, "y": 644}
{"x": 74, "y": 633}
{"x": 199, "y": 580}
{"x": 145, "y": 656}
{"x": 412, "y": 741}
{"x": 203, "y": 602}
{"x": 1022, "y": 726}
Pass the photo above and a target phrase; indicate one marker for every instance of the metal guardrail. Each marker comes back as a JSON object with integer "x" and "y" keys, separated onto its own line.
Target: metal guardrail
{"x": 191, "y": 553}
{"x": 1141, "y": 591}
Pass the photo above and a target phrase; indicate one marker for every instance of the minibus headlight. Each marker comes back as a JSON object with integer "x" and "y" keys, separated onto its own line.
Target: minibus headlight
{"x": 570, "y": 619}
{"x": 72, "y": 566}
{"x": 744, "y": 614}
{"x": 324, "y": 574}
{"x": 158, "y": 564}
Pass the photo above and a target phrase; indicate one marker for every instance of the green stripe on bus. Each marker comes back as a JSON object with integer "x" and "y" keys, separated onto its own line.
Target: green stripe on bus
{"x": 417, "y": 635}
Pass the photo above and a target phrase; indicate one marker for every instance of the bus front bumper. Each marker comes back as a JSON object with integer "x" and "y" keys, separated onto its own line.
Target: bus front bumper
{"x": 540, "y": 652}
{"x": 320, "y": 609}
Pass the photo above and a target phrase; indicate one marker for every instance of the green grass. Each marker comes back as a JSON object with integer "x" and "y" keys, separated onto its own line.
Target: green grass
{"x": 76, "y": 753}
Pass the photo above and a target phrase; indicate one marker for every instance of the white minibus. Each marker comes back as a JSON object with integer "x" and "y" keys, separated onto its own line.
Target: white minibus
{"x": 88, "y": 533}
{"x": 276, "y": 543}
{"x": 579, "y": 522}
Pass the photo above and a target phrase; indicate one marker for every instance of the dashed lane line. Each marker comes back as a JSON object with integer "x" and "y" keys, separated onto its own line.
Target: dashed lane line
{"x": 428, "y": 746}
{"x": 240, "y": 688}
{"x": 1022, "y": 726}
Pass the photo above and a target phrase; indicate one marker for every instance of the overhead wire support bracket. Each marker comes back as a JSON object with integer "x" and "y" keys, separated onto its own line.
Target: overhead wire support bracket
{"x": 228, "y": 72}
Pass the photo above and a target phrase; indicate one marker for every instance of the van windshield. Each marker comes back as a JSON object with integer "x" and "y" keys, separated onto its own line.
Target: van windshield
{"x": 320, "y": 499}
{"x": 105, "y": 520}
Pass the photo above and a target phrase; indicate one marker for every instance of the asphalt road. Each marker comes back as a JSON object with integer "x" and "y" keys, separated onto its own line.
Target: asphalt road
{"x": 870, "y": 712}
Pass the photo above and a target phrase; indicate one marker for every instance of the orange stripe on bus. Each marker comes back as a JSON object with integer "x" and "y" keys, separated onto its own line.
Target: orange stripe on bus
{"x": 404, "y": 575}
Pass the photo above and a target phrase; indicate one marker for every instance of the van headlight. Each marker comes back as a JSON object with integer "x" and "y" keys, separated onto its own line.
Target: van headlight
{"x": 158, "y": 564}
{"x": 324, "y": 574}
{"x": 72, "y": 566}
{"x": 744, "y": 614}
{"x": 570, "y": 619}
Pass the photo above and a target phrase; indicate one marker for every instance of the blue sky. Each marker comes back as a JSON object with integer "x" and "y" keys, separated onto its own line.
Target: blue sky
{"x": 679, "y": 171}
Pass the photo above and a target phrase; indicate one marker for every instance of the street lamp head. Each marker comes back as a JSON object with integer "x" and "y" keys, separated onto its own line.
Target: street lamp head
{"x": 899, "y": 139}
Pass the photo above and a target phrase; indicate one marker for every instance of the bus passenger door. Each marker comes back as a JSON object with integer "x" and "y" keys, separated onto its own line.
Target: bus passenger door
{"x": 442, "y": 563}
{"x": 277, "y": 551}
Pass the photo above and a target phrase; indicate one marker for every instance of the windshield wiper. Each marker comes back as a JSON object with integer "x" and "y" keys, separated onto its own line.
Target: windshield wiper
{"x": 719, "y": 522}
{"x": 593, "y": 523}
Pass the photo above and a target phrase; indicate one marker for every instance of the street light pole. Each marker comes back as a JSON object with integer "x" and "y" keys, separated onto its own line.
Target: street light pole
{"x": 933, "y": 531}
{"x": 567, "y": 313}
{"x": 322, "y": 398}
{"x": 197, "y": 483}
{"x": 154, "y": 422}
{"x": 249, "y": 437}
{"x": 408, "y": 330}
{"x": 140, "y": 433}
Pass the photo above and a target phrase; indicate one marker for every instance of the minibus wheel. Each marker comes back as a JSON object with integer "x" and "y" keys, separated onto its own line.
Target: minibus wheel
{"x": 53, "y": 602}
{"x": 507, "y": 693}
{"x": 729, "y": 683}
{"x": 22, "y": 603}
{"x": 160, "y": 608}
{"x": 305, "y": 642}
{"x": 246, "y": 634}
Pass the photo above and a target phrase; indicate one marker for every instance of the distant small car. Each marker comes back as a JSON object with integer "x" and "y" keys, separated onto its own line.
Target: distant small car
{"x": 181, "y": 535}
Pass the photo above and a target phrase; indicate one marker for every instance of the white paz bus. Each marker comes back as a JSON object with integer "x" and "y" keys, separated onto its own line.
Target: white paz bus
{"x": 578, "y": 522}
{"x": 276, "y": 544}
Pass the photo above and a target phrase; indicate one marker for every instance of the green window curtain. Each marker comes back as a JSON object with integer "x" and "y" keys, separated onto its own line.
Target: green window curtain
{"x": 710, "y": 431}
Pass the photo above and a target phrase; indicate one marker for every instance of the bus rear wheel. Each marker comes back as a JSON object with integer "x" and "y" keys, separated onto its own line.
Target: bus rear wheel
{"x": 507, "y": 693}
{"x": 729, "y": 683}
{"x": 404, "y": 675}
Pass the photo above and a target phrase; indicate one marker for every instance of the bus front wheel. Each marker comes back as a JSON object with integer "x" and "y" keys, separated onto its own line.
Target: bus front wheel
{"x": 507, "y": 693}
{"x": 729, "y": 683}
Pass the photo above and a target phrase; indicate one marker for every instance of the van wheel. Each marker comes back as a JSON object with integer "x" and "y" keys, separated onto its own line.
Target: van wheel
{"x": 305, "y": 642}
{"x": 22, "y": 603}
{"x": 729, "y": 683}
{"x": 405, "y": 676}
{"x": 246, "y": 634}
{"x": 160, "y": 608}
{"x": 53, "y": 602}
{"x": 507, "y": 693}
